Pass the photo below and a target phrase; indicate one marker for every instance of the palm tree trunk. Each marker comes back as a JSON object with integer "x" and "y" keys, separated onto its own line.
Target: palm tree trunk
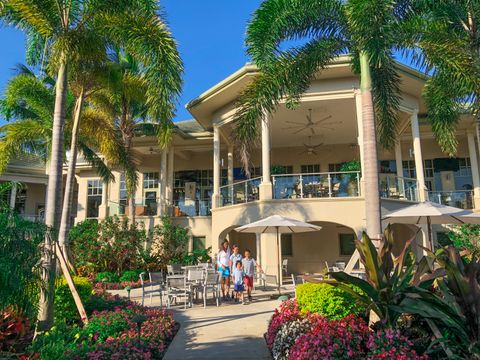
{"x": 69, "y": 183}
{"x": 372, "y": 194}
{"x": 53, "y": 205}
{"x": 131, "y": 209}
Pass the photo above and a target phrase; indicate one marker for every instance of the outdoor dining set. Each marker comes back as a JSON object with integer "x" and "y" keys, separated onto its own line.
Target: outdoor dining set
{"x": 182, "y": 283}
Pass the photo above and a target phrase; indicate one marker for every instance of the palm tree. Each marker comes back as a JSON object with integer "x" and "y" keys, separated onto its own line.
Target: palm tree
{"x": 328, "y": 28}
{"x": 446, "y": 35}
{"x": 124, "y": 100}
{"x": 62, "y": 28}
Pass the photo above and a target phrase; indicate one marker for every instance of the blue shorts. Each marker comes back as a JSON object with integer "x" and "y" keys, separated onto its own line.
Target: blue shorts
{"x": 238, "y": 287}
{"x": 225, "y": 272}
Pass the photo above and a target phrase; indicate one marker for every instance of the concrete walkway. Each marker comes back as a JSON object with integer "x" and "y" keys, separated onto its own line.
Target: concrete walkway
{"x": 230, "y": 331}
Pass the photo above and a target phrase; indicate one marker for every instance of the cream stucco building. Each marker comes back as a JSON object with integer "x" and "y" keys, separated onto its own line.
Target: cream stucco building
{"x": 296, "y": 171}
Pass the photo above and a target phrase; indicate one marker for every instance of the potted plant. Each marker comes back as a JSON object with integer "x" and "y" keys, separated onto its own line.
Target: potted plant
{"x": 350, "y": 179}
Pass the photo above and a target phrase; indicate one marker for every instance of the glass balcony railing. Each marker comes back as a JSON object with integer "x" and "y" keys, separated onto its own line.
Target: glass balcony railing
{"x": 462, "y": 199}
{"x": 399, "y": 188}
{"x": 316, "y": 185}
{"x": 143, "y": 207}
{"x": 240, "y": 192}
{"x": 190, "y": 208}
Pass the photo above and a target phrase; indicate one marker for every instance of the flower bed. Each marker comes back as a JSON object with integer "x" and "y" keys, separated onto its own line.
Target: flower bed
{"x": 295, "y": 335}
{"x": 121, "y": 330}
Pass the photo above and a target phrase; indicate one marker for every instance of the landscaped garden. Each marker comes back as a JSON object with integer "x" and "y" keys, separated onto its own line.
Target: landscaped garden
{"x": 404, "y": 309}
{"x": 107, "y": 255}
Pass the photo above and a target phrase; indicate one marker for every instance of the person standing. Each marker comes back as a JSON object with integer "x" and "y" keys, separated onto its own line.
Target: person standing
{"x": 223, "y": 266}
{"x": 236, "y": 256}
{"x": 249, "y": 265}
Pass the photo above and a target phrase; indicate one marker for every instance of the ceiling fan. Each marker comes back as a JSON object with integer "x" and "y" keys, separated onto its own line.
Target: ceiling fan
{"x": 310, "y": 148}
{"x": 298, "y": 127}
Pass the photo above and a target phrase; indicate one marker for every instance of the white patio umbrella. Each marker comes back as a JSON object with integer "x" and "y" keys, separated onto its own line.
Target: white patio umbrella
{"x": 278, "y": 225}
{"x": 432, "y": 213}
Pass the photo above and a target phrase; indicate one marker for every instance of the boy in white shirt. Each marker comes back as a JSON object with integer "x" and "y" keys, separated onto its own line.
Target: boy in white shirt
{"x": 249, "y": 265}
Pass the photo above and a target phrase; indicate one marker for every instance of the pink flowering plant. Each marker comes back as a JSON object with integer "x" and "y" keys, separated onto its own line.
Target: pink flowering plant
{"x": 288, "y": 311}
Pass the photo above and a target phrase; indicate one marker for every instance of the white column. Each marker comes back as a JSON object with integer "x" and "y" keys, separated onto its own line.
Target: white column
{"x": 216, "y": 167}
{"x": 472, "y": 150}
{"x": 358, "y": 109}
{"x": 266, "y": 185}
{"x": 399, "y": 165}
{"x": 162, "y": 185}
{"x": 230, "y": 165}
{"x": 13, "y": 195}
{"x": 103, "y": 208}
{"x": 258, "y": 247}
{"x": 170, "y": 176}
{"x": 417, "y": 151}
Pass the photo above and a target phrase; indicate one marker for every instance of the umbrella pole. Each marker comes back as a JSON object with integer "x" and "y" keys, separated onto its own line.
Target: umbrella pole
{"x": 279, "y": 263}
{"x": 429, "y": 226}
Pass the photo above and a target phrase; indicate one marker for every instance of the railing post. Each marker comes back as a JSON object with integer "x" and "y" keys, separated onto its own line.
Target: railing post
{"x": 246, "y": 191}
{"x": 329, "y": 179}
{"x": 358, "y": 184}
{"x": 301, "y": 186}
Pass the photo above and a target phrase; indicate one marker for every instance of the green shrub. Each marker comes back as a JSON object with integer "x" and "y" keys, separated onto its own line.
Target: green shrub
{"x": 107, "y": 276}
{"x": 326, "y": 300}
{"x": 65, "y": 308}
{"x": 54, "y": 343}
{"x": 130, "y": 275}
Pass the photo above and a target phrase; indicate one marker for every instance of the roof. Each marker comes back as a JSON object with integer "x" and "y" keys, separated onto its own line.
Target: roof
{"x": 189, "y": 126}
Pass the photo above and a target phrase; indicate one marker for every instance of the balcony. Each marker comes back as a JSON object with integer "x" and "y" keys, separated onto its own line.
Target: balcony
{"x": 181, "y": 208}
{"x": 462, "y": 199}
{"x": 316, "y": 185}
{"x": 399, "y": 188}
{"x": 240, "y": 192}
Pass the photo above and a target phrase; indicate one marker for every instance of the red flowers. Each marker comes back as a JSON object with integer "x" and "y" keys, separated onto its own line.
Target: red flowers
{"x": 348, "y": 338}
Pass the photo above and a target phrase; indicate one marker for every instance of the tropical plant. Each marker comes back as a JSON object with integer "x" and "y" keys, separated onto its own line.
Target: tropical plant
{"x": 65, "y": 307}
{"x": 332, "y": 303}
{"x": 169, "y": 243}
{"x": 389, "y": 279}
{"x": 453, "y": 310}
{"x": 64, "y": 31}
{"x": 112, "y": 245}
{"x": 197, "y": 256}
{"x": 445, "y": 38}
{"x": 19, "y": 260}
{"x": 467, "y": 239}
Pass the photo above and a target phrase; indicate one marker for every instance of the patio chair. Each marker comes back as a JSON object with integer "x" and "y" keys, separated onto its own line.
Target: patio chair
{"x": 156, "y": 285}
{"x": 211, "y": 282}
{"x": 195, "y": 278}
{"x": 297, "y": 280}
{"x": 259, "y": 277}
{"x": 174, "y": 269}
{"x": 285, "y": 266}
{"x": 177, "y": 287}
{"x": 340, "y": 265}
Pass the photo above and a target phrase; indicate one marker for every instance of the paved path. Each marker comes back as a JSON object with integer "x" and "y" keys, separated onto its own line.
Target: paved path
{"x": 230, "y": 331}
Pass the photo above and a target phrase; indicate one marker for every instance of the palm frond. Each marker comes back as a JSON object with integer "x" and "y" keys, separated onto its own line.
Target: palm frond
{"x": 96, "y": 161}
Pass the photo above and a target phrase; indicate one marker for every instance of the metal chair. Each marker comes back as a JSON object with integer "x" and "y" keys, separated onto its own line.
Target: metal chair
{"x": 211, "y": 282}
{"x": 195, "y": 278}
{"x": 297, "y": 280}
{"x": 177, "y": 287}
{"x": 285, "y": 266}
{"x": 174, "y": 269}
{"x": 156, "y": 285}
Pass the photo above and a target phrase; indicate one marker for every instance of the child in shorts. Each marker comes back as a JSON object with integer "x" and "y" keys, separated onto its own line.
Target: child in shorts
{"x": 249, "y": 264}
{"x": 238, "y": 288}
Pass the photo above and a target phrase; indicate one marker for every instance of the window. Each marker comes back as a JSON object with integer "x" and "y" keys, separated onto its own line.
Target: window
{"x": 388, "y": 167}
{"x": 94, "y": 197}
{"x": 286, "y": 240}
{"x": 197, "y": 202}
{"x": 150, "y": 180}
{"x": 409, "y": 169}
{"x": 464, "y": 167}
{"x": 199, "y": 243}
{"x": 347, "y": 244}
{"x": 428, "y": 168}
{"x": 335, "y": 167}
{"x": 310, "y": 169}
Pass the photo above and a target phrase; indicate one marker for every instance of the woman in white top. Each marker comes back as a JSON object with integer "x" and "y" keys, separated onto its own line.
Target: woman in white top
{"x": 223, "y": 263}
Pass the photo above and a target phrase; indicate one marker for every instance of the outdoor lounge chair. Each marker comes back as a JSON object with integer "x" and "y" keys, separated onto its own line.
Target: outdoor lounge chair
{"x": 156, "y": 285}
{"x": 297, "y": 280}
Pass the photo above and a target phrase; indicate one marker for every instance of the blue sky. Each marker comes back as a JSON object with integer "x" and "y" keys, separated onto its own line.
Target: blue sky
{"x": 210, "y": 37}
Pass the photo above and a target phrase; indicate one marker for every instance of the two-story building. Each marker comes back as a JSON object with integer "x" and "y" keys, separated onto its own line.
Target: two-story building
{"x": 298, "y": 170}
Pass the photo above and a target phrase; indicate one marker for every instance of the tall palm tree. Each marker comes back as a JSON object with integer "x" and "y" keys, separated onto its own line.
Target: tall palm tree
{"x": 62, "y": 28}
{"x": 124, "y": 101}
{"x": 328, "y": 28}
{"x": 446, "y": 36}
